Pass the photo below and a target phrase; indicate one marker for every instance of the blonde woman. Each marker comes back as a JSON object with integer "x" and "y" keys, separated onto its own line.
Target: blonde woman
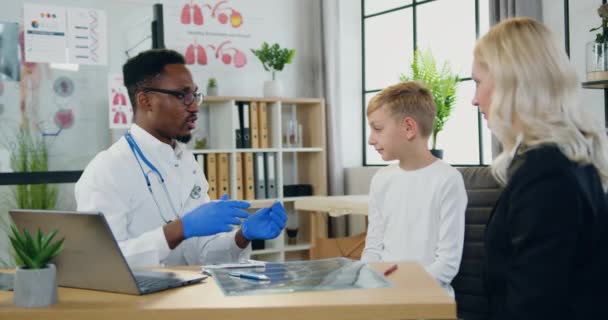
{"x": 547, "y": 239}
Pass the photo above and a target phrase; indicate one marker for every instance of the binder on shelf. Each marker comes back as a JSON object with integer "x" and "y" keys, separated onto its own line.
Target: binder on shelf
{"x": 263, "y": 125}
{"x": 223, "y": 175}
{"x": 245, "y": 129}
{"x": 212, "y": 175}
{"x": 238, "y": 124}
{"x": 253, "y": 122}
{"x": 239, "y": 177}
{"x": 270, "y": 174}
{"x": 248, "y": 176}
{"x": 258, "y": 244}
{"x": 260, "y": 184}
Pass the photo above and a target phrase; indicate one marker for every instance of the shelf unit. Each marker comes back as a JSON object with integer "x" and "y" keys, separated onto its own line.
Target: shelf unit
{"x": 305, "y": 164}
{"x": 602, "y": 84}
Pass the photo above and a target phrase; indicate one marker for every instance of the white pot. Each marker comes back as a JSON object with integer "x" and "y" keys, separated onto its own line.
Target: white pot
{"x": 212, "y": 91}
{"x": 273, "y": 88}
{"x": 35, "y": 287}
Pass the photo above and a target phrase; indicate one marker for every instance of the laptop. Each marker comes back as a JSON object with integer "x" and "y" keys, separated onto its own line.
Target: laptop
{"x": 91, "y": 257}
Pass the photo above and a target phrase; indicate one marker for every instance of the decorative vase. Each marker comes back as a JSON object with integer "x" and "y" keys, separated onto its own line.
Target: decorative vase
{"x": 273, "y": 88}
{"x": 212, "y": 91}
{"x": 597, "y": 61}
{"x": 438, "y": 153}
{"x": 35, "y": 287}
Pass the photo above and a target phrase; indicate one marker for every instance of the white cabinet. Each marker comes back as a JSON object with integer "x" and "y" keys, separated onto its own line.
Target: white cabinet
{"x": 296, "y": 139}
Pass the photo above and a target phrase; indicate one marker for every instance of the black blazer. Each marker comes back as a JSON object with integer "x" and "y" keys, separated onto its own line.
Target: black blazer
{"x": 547, "y": 241}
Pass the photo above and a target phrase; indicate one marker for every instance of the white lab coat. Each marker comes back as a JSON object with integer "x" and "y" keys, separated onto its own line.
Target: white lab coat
{"x": 114, "y": 184}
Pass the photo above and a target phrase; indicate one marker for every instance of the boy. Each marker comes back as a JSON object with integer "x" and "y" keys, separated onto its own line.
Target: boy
{"x": 416, "y": 208}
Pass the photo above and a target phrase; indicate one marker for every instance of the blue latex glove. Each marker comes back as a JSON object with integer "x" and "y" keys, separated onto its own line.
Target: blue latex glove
{"x": 214, "y": 217}
{"x": 266, "y": 223}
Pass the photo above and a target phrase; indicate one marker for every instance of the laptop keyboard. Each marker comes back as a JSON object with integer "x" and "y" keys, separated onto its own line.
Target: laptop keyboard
{"x": 150, "y": 284}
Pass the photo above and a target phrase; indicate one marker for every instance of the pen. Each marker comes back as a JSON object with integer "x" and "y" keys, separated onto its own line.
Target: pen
{"x": 390, "y": 270}
{"x": 253, "y": 276}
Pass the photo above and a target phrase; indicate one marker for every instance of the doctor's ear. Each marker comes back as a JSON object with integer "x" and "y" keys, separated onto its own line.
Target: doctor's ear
{"x": 143, "y": 101}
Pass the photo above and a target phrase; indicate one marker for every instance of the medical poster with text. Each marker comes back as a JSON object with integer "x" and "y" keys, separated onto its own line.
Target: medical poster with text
{"x": 44, "y": 33}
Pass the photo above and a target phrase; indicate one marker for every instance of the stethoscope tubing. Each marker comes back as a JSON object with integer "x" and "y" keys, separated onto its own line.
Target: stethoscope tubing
{"x": 138, "y": 154}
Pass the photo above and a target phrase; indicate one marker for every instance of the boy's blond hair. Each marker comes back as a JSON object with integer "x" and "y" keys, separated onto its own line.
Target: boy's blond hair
{"x": 407, "y": 99}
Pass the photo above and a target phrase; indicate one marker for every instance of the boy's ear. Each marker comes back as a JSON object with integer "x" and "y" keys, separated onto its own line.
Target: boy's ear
{"x": 409, "y": 127}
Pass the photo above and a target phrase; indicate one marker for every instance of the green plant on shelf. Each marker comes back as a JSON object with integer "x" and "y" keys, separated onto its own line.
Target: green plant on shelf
{"x": 273, "y": 57}
{"x": 200, "y": 143}
{"x": 602, "y": 36}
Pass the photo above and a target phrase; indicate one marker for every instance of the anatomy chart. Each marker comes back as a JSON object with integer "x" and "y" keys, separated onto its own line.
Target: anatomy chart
{"x": 209, "y": 33}
{"x": 121, "y": 112}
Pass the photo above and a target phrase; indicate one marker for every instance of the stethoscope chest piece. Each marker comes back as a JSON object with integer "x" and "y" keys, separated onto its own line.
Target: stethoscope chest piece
{"x": 196, "y": 192}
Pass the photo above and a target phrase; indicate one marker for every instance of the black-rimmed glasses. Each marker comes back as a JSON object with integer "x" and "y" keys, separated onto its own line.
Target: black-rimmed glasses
{"x": 187, "y": 97}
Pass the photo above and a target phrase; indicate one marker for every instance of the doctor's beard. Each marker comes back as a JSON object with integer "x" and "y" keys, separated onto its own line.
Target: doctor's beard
{"x": 184, "y": 139}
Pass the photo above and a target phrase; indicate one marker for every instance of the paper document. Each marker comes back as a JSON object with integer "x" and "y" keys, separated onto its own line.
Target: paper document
{"x": 246, "y": 264}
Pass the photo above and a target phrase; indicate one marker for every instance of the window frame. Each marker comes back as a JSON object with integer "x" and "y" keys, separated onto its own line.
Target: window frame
{"x": 414, "y": 5}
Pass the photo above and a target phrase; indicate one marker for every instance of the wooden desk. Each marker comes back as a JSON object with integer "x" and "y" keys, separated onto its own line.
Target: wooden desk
{"x": 335, "y": 206}
{"x": 320, "y": 206}
{"x": 414, "y": 295}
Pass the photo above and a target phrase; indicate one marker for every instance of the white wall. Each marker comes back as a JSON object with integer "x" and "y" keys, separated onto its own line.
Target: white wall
{"x": 351, "y": 82}
{"x": 298, "y": 29}
{"x": 583, "y": 16}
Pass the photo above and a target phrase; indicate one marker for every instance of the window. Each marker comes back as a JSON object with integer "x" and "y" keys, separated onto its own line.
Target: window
{"x": 391, "y": 31}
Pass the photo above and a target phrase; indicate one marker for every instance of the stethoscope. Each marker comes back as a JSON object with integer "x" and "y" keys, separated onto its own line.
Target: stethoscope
{"x": 195, "y": 193}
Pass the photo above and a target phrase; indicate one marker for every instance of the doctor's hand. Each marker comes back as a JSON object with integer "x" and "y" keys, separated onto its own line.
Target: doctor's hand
{"x": 214, "y": 217}
{"x": 266, "y": 223}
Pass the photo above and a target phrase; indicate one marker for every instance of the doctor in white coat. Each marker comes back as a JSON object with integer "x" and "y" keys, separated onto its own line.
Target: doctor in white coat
{"x": 149, "y": 186}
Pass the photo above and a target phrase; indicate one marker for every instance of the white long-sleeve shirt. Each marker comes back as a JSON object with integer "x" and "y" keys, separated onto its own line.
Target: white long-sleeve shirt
{"x": 114, "y": 184}
{"x": 418, "y": 216}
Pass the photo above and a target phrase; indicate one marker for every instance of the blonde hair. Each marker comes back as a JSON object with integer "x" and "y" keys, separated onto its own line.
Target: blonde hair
{"x": 535, "y": 83}
{"x": 407, "y": 99}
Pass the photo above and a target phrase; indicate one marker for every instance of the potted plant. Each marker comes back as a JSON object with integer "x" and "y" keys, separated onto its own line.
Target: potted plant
{"x": 597, "y": 57}
{"x": 27, "y": 154}
{"x": 30, "y": 154}
{"x": 35, "y": 278}
{"x": 212, "y": 89}
{"x": 6, "y": 260}
{"x": 273, "y": 58}
{"x": 442, "y": 83}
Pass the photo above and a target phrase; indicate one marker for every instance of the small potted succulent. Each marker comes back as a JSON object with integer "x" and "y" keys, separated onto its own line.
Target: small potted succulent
{"x": 273, "y": 58}
{"x": 35, "y": 278}
{"x": 212, "y": 89}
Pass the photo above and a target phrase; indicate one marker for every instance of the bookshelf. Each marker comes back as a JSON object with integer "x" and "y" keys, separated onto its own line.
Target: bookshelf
{"x": 295, "y": 163}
